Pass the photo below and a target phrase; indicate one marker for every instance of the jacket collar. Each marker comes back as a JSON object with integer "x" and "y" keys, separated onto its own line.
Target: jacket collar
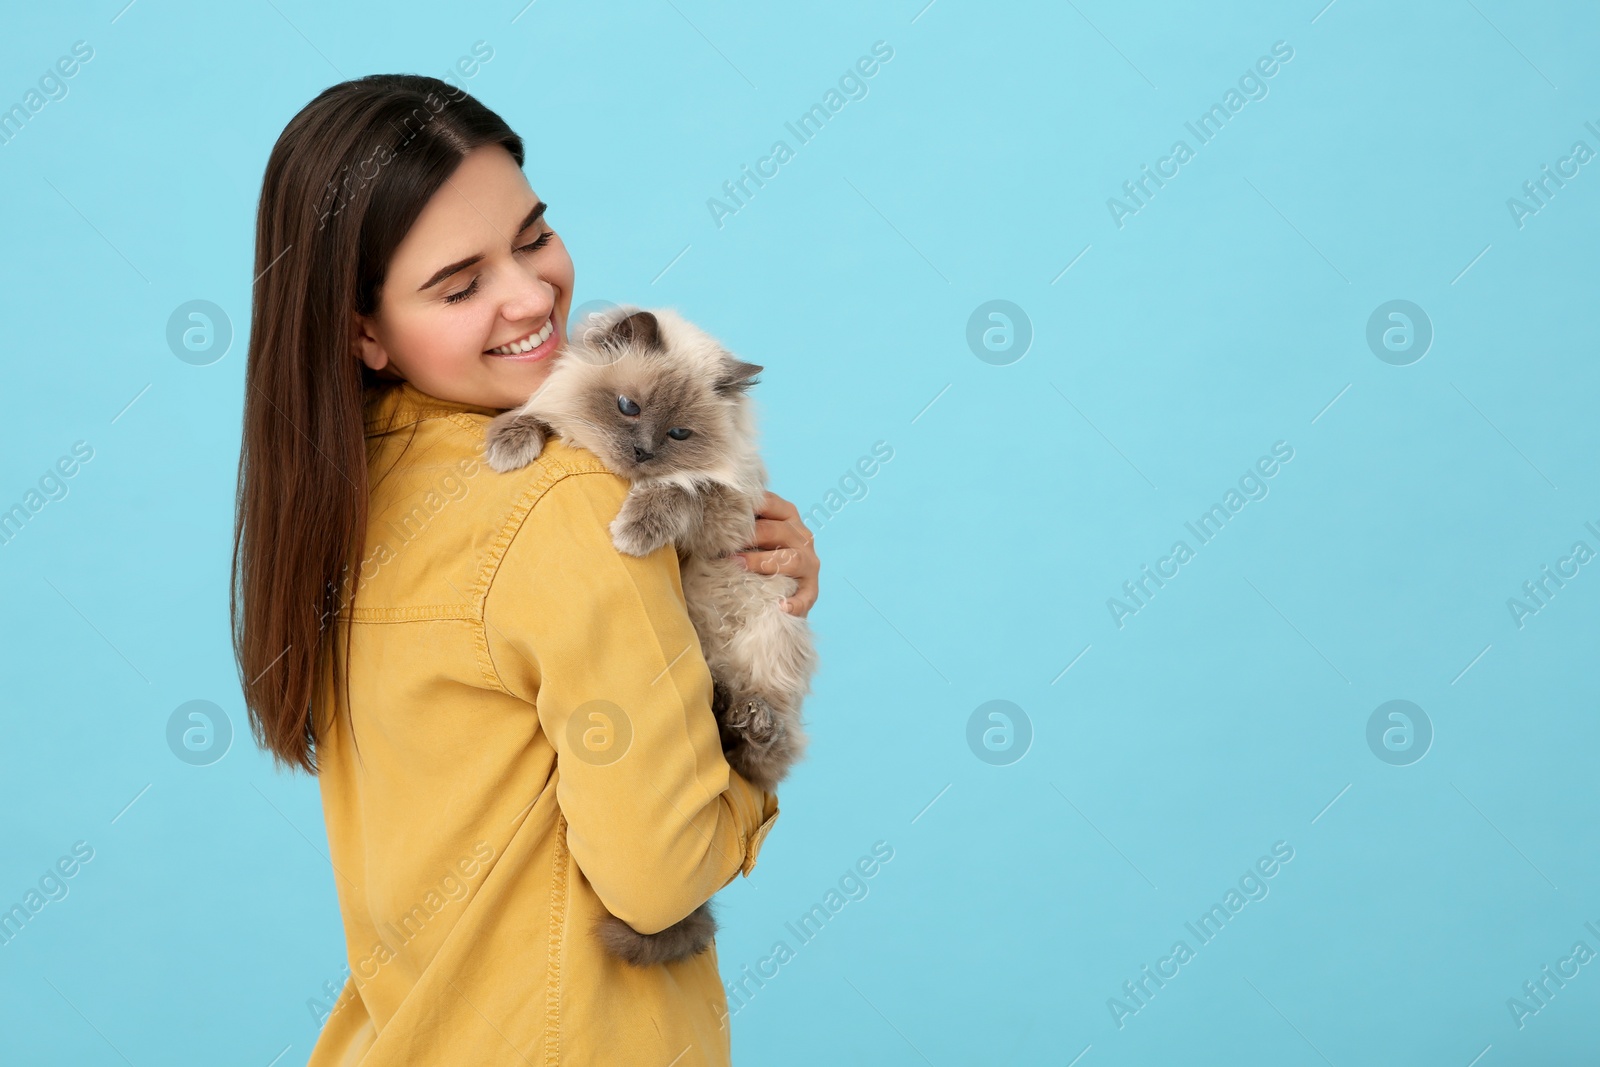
{"x": 391, "y": 406}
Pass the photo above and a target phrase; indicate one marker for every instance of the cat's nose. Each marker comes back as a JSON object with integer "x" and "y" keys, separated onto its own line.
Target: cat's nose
{"x": 640, "y": 454}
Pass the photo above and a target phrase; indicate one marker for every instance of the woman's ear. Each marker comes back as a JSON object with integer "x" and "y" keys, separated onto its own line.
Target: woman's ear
{"x": 365, "y": 346}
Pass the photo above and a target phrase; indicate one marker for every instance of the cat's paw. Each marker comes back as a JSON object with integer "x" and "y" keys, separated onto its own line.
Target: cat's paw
{"x": 650, "y": 517}
{"x": 513, "y": 441}
{"x": 634, "y": 536}
{"x": 752, "y": 719}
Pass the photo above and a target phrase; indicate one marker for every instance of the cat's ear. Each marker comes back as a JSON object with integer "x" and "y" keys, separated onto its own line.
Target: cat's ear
{"x": 640, "y": 329}
{"x": 737, "y": 376}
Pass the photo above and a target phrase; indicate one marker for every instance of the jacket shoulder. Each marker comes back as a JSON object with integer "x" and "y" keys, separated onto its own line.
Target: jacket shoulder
{"x": 572, "y": 459}
{"x": 410, "y": 460}
{"x": 440, "y": 518}
{"x": 573, "y": 482}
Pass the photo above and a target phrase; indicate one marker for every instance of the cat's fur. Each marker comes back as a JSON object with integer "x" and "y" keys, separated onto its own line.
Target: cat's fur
{"x": 701, "y": 493}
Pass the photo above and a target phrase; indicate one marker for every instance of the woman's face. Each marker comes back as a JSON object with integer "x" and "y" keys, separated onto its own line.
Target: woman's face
{"x": 476, "y": 273}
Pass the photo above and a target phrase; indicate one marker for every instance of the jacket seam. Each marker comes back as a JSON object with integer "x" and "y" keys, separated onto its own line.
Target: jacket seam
{"x": 414, "y": 613}
{"x": 418, "y": 612}
{"x": 496, "y": 555}
{"x": 379, "y": 426}
{"x": 557, "y": 942}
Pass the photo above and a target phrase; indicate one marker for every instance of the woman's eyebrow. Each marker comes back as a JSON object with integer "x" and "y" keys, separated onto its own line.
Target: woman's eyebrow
{"x": 533, "y": 216}
{"x": 445, "y": 272}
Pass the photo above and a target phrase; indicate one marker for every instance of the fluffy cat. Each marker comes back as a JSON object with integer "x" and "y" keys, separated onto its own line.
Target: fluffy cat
{"x": 665, "y": 406}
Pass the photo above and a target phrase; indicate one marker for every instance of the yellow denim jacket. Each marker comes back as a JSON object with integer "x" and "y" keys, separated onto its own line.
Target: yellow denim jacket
{"x": 530, "y": 737}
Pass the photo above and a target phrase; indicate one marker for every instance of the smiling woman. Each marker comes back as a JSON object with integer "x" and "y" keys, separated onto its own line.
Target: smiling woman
{"x": 446, "y": 700}
{"x": 479, "y": 327}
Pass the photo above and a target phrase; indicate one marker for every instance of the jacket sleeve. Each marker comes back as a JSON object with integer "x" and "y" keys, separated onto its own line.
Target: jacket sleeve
{"x": 601, "y": 644}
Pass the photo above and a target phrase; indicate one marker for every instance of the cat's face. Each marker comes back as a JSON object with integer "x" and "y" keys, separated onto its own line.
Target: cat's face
{"x": 648, "y": 393}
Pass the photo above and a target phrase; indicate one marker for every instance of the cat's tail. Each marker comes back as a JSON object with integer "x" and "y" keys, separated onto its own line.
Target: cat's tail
{"x": 687, "y": 937}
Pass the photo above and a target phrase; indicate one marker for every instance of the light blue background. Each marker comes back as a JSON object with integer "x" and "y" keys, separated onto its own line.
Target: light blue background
{"x": 1228, "y": 314}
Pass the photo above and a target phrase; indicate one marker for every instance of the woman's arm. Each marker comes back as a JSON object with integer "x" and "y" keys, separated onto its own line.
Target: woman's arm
{"x": 602, "y": 645}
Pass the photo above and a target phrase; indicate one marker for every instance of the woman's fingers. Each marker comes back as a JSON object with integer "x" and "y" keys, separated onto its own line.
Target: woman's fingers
{"x": 776, "y": 507}
{"x": 773, "y": 533}
{"x": 787, "y": 547}
{"x": 799, "y": 564}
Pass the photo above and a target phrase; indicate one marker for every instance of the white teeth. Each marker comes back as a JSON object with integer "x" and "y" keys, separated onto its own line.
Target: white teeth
{"x": 530, "y": 343}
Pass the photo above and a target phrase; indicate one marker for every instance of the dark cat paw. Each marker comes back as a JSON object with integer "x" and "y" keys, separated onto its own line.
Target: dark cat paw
{"x": 753, "y": 719}
{"x": 513, "y": 441}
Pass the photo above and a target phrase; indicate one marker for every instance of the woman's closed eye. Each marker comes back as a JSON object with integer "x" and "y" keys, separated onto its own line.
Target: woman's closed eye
{"x": 542, "y": 240}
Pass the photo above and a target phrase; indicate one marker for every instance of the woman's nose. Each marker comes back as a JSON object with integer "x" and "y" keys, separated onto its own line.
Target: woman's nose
{"x": 529, "y": 297}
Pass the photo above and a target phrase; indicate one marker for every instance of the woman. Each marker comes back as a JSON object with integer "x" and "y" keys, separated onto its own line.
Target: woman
{"x": 510, "y": 720}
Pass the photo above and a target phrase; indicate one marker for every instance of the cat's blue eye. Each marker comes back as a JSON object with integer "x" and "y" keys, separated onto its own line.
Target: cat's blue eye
{"x": 678, "y": 433}
{"x": 626, "y": 406}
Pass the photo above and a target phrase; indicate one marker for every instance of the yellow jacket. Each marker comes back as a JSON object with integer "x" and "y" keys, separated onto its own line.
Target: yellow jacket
{"x": 530, "y": 736}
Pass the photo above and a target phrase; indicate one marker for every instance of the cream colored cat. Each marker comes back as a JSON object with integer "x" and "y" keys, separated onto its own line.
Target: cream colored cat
{"x": 662, "y": 404}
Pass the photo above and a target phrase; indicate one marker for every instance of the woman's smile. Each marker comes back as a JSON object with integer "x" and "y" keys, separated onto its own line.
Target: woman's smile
{"x": 533, "y": 346}
{"x": 474, "y": 302}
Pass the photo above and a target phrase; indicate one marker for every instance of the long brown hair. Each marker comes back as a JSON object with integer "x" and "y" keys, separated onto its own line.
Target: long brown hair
{"x": 347, "y": 178}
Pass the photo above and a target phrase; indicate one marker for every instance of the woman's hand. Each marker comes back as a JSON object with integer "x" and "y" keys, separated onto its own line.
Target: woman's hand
{"x": 789, "y": 550}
